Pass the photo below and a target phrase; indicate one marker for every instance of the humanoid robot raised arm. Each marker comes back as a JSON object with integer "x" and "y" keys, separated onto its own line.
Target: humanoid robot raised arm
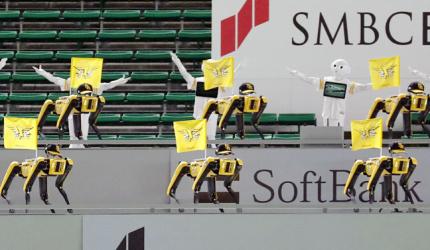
{"x": 333, "y": 108}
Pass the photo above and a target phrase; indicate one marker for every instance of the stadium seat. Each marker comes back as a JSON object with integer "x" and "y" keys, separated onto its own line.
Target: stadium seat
{"x": 41, "y": 14}
{"x": 150, "y": 76}
{"x": 195, "y": 35}
{"x": 162, "y": 14}
{"x": 146, "y": 118}
{"x": 297, "y": 119}
{"x": 137, "y": 137}
{"x": 108, "y": 119}
{"x": 55, "y": 95}
{"x": 174, "y": 117}
{"x": 194, "y": 55}
{"x": 180, "y": 97}
{"x": 24, "y": 115}
{"x": 416, "y": 116}
{"x": 177, "y": 77}
{"x": 104, "y": 137}
{"x": 9, "y": 15}
{"x": 153, "y": 55}
{"x": 81, "y": 15}
{"x": 27, "y": 97}
{"x": 121, "y": 14}
{"x": 115, "y": 55}
{"x": 117, "y": 34}
{"x": 38, "y": 35}
{"x": 256, "y": 137}
{"x": 166, "y": 137}
{"x": 27, "y": 77}
{"x": 4, "y": 76}
{"x": 34, "y": 55}
{"x": 265, "y": 119}
{"x": 114, "y": 97}
{"x": 3, "y": 97}
{"x": 8, "y": 35}
{"x": 145, "y": 97}
{"x": 67, "y": 55}
{"x": 227, "y": 137}
{"x": 286, "y": 137}
{"x": 77, "y": 35}
{"x": 110, "y": 76}
{"x": 162, "y": 35}
{"x": 197, "y": 14}
{"x": 7, "y": 54}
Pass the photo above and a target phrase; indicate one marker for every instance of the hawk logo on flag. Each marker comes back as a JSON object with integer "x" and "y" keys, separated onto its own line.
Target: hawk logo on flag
{"x": 218, "y": 73}
{"x": 20, "y": 133}
{"x": 366, "y": 134}
{"x": 85, "y": 73}
{"x": 385, "y": 72}
{"x": 190, "y": 135}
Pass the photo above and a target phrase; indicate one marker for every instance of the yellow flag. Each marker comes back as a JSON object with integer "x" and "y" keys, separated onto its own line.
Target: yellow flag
{"x": 86, "y": 70}
{"x": 366, "y": 134}
{"x": 190, "y": 135}
{"x": 385, "y": 72}
{"x": 218, "y": 73}
{"x": 20, "y": 133}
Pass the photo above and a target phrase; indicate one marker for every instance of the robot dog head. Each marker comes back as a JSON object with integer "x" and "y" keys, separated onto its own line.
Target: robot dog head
{"x": 246, "y": 89}
{"x": 396, "y": 148}
{"x": 223, "y": 149}
{"x": 340, "y": 68}
{"x": 416, "y": 87}
{"x": 85, "y": 89}
{"x": 52, "y": 149}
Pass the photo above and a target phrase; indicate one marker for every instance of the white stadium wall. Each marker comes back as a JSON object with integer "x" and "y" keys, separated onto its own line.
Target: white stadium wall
{"x": 287, "y": 35}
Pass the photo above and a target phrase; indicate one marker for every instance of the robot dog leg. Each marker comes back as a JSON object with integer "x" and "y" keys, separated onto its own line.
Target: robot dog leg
{"x": 60, "y": 181}
{"x": 208, "y": 166}
{"x": 358, "y": 168}
{"x": 13, "y": 169}
{"x": 47, "y": 108}
{"x": 423, "y": 117}
{"x": 93, "y": 116}
{"x": 227, "y": 113}
{"x": 182, "y": 169}
{"x": 405, "y": 178}
{"x": 256, "y": 116}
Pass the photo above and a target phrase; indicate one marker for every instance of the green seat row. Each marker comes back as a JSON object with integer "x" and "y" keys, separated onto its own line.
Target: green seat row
{"x": 107, "y": 14}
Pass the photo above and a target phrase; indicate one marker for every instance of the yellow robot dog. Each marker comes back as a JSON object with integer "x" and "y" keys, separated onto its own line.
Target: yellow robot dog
{"x": 384, "y": 166}
{"x": 246, "y": 102}
{"x": 82, "y": 103}
{"x": 209, "y": 169}
{"x": 42, "y": 167}
{"x": 416, "y": 101}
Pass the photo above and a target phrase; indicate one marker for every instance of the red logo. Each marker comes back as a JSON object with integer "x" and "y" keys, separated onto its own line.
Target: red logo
{"x": 234, "y": 29}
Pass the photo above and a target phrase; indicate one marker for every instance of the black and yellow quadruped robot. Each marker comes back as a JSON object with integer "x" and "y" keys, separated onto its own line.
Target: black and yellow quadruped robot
{"x": 244, "y": 103}
{"x": 385, "y": 166}
{"x": 209, "y": 169}
{"x": 82, "y": 103}
{"x": 416, "y": 101}
{"x": 53, "y": 164}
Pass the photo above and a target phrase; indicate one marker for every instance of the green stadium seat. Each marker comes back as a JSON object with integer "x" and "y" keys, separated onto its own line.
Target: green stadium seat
{"x": 174, "y": 117}
{"x": 150, "y": 76}
{"x": 23, "y": 115}
{"x": 7, "y": 35}
{"x": 416, "y": 116}
{"x": 7, "y": 54}
{"x": 27, "y": 77}
{"x": 166, "y": 137}
{"x": 177, "y": 77}
{"x": 115, "y": 55}
{"x": 110, "y": 76}
{"x": 256, "y": 137}
{"x": 104, "y": 137}
{"x": 41, "y": 14}
{"x": 153, "y": 55}
{"x": 77, "y": 35}
{"x": 117, "y": 34}
{"x": 194, "y": 55}
{"x": 3, "y": 97}
{"x": 227, "y": 137}
{"x": 38, "y": 35}
{"x": 34, "y": 55}
{"x": 114, "y": 97}
{"x": 180, "y": 97}
{"x": 158, "y": 35}
{"x": 145, "y": 97}
{"x": 55, "y": 95}
{"x": 55, "y": 137}
{"x": 162, "y": 14}
{"x": 265, "y": 119}
{"x": 297, "y": 119}
{"x": 417, "y": 136}
{"x": 145, "y": 118}
{"x": 286, "y": 137}
{"x": 197, "y": 14}
{"x": 27, "y": 97}
{"x": 108, "y": 118}
{"x": 137, "y": 137}
{"x": 121, "y": 14}
{"x": 9, "y": 15}
{"x": 195, "y": 35}
{"x": 67, "y": 55}
{"x": 51, "y": 119}
{"x": 5, "y": 76}
{"x": 81, "y": 15}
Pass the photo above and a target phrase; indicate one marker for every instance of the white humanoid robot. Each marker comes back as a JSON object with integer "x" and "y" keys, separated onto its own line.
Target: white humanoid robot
{"x": 423, "y": 75}
{"x": 333, "y": 113}
{"x": 3, "y": 63}
{"x": 64, "y": 85}
{"x": 202, "y": 96}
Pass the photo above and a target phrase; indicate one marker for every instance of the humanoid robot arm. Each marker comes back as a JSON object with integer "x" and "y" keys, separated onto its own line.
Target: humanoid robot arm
{"x": 191, "y": 81}
{"x": 3, "y": 63}
{"x": 419, "y": 73}
{"x": 54, "y": 79}
{"x": 315, "y": 81}
{"x": 357, "y": 169}
{"x": 110, "y": 85}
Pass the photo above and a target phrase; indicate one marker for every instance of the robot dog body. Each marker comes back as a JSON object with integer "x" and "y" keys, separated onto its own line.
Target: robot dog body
{"x": 386, "y": 167}
{"x": 40, "y": 168}
{"x": 238, "y": 105}
{"x": 416, "y": 101}
{"x": 83, "y": 103}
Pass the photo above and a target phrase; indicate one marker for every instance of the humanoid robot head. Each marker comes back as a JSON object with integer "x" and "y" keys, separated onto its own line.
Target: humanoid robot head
{"x": 416, "y": 88}
{"x": 223, "y": 149}
{"x": 340, "y": 68}
{"x": 396, "y": 148}
{"x": 52, "y": 150}
{"x": 246, "y": 89}
{"x": 85, "y": 89}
